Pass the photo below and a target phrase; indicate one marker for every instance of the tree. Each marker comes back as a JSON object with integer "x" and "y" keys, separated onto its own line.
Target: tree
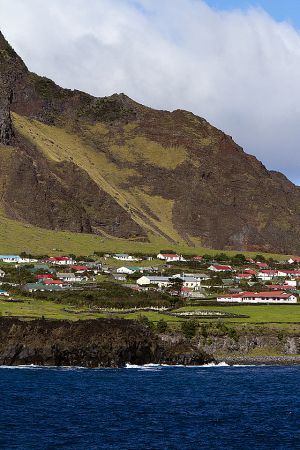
{"x": 175, "y": 286}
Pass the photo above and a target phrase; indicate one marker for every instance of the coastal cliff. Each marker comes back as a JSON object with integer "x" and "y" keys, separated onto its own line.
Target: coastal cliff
{"x": 90, "y": 343}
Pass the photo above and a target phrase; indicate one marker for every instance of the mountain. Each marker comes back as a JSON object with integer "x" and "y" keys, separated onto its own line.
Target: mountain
{"x": 113, "y": 167}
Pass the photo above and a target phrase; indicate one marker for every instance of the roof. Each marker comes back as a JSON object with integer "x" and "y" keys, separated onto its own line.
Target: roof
{"x": 188, "y": 278}
{"x": 267, "y": 294}
{"x": 153, "y": 278}
{"x": 221, "y": 267}
{"x": 269, "y": 271}
{"x": 281, "y": 286}
{"x": 40, "y": 286}
{"x": 170, "y": 255}
{"x": 197, "y": 257}
{"x": 79, "y": 268}
{"x": 121, "y": 254}
{"x": 261, "y": 264}
{"x": 48, "y": 282}
{"x": 10, "y": 257}
{"x": 43, "y": 276}
{"x": 60, "y": 258}
{"x": 250, "y": 271}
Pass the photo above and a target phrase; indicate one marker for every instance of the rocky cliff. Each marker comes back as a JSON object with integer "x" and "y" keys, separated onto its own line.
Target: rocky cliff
{"x": 116, "y": 168}
{"x": 93, "y": 343}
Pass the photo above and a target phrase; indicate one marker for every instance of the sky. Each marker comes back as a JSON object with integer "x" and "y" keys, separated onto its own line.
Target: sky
{"x": 234, "y": 62}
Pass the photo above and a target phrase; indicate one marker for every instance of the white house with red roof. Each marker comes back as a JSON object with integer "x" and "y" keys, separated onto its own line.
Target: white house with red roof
{"x": 288, "y": 273}
{"x": 243, "y": 276}
{"x": 267, "y": 274}
{"x": 170, "y": 257}
{"x": 44, "y": 276}
{"x": 259, "y": 297}
{"x": 59, "y": 283}
{"x": 61, "y": 260}
{"x": 220, "y": 268}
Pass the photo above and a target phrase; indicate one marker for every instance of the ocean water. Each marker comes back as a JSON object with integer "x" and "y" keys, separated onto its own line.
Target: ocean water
{"x": 150, "y": 408}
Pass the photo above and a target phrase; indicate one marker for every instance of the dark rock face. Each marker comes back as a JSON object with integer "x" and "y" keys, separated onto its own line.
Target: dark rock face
{"x": 93, "y": 343}
{"x": 12, "y": 70}
{"x": 219, "y": 194}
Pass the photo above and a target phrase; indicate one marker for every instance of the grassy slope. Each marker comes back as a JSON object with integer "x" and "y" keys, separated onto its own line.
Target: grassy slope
{"x": 59, "y": 145}
{"x": 16, "y": 237}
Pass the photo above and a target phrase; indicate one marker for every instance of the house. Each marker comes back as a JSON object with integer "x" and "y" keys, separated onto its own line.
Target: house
{"x": 119, "y": 276}
{"x": 25, "y": 260}
{"x": 295, "y": 260}
{"x": 79, "y": 269}
{"x": 127, "y": 270}
{"x": 250, "y": 271}
{"x": 190, "y": 282}
{"x": 161, "y": 282}
{"x": 34, "y": 287}
{"x": 124, "y": 257}
{"x": 262, "y": 265}
{"x": 259, "y": 297}
{"x": 60, "y": 260}
{"x": 59, "y": 283}
{"x": 68, "y": 277}
{"x": 267, "y": 274}
{"x": 198, "y": 276}
{"x": 197, "y": 258}
{"x": 170, "y": 257}
{"x": 281, "y": 287}
{"x": 185, "y": 292}
{"x": 2, "y": 274}
{"x": 44, "y": 276}
{"x": 243, "y": 276}
{"x": 4, "y": 294}
{"x": 288, "y": 273}
{"x": 10, "y": 258}
{"x": 220, "y": 268}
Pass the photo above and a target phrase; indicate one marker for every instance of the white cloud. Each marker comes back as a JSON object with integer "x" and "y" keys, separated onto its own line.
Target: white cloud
{"x": 240, "y": 70}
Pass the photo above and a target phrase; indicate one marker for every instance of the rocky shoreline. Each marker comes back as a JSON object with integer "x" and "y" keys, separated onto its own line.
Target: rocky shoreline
{"x": 117, "y": 342}
{"x": 264, "y": 360}
{"x": 90, "y": 343}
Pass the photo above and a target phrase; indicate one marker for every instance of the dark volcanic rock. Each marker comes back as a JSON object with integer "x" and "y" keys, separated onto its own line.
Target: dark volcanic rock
{"x": 93, "y": 343}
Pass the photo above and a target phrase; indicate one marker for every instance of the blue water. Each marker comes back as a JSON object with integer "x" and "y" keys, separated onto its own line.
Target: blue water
{"x": 151, "y": 408}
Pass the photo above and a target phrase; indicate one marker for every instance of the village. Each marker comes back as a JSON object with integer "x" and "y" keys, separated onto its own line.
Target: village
{"x": 221, "y": 278}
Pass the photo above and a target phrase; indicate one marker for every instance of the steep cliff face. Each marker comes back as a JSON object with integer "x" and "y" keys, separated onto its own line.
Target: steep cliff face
{"x": 114, "y": 167}
{"x": 94, "y": 343}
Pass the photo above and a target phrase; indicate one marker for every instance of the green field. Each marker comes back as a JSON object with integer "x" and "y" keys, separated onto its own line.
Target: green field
{"x": 256, "y": 313}
{"x": 261, "y": 314}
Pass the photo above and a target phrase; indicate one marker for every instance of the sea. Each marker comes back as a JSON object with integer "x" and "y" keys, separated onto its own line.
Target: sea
{"x": 150, "y": 407}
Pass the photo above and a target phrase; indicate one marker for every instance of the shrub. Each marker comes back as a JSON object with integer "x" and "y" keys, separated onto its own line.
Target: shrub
{"x": 189, "y": 328}
{"x": 161, "y": 326}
